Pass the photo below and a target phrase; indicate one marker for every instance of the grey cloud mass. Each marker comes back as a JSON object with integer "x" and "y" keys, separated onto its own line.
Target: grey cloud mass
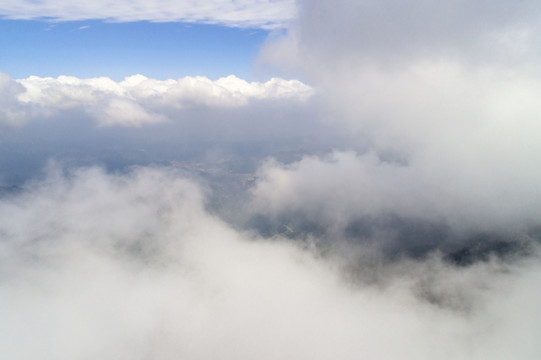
{"x": 449, "y": 90}
{"x": 12, "y": 112}
{"x": 392, "y": 32}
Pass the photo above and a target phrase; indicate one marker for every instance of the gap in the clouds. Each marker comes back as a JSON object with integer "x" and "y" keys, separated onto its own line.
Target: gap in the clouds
{"x": 96, "y": 48}
{"x": 228, "y": 167}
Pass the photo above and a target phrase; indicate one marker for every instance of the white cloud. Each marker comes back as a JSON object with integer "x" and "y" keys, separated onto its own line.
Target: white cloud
{"x": 137, "y": 100}
{"x": 266, "y": 14}
{"x": 489, "y": 195}
{"x": 132, "y": 266}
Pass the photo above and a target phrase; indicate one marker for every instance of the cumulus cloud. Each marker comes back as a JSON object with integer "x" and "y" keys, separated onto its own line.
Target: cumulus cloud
{"x": 137, "y": 100}
{"x": 132, "y": 266}
{"x": 266, "y": 14}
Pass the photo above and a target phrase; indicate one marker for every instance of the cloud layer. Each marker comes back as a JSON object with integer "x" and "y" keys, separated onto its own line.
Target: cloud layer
{"x": 132, "y": 267}
{"x": 439, "y": 103}
{"x": 137, "y": 100}
{"x": 266, "y": 14}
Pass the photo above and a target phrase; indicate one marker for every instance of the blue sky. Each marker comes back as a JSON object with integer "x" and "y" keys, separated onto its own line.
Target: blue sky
{"x": 95, "y": 48}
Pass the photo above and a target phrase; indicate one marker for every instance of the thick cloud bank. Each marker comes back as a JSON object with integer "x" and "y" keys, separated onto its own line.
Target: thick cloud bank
{"x": 133, "y": 267}
{"x": 246, "y": 13}
{"x": 137, "y": 100}
{"x": 446, "y": 94}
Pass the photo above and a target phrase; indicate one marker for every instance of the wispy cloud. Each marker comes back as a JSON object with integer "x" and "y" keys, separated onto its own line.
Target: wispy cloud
{"x": 266, "y": 14}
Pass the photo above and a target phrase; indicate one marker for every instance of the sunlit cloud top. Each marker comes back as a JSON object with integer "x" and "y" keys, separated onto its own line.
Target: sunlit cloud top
{"x": 266, "y": 14}
{"x": 137, "y": 100}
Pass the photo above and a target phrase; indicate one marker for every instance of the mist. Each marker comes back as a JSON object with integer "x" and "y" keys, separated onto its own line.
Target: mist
{"x": 133, "y": 266}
